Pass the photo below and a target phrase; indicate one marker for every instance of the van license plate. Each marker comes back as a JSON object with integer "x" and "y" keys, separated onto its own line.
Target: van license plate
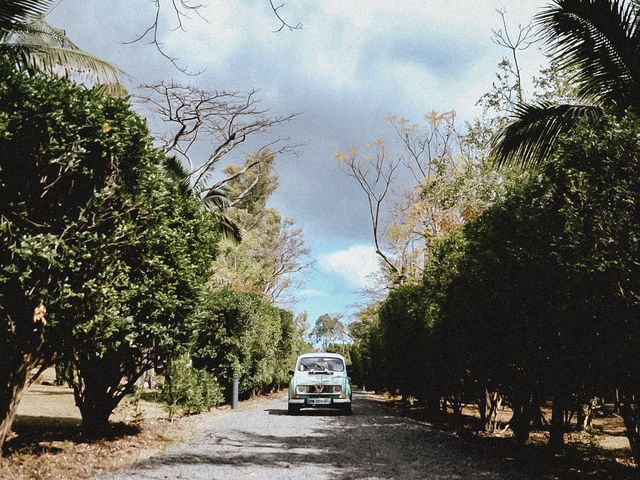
{"x": 318, "y": 401}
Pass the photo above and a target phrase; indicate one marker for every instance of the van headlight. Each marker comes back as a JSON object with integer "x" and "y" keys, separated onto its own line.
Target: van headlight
{"x": 303, "y": 389}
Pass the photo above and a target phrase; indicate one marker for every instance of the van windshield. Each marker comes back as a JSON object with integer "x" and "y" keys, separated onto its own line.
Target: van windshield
{"x": 323, "y": 364}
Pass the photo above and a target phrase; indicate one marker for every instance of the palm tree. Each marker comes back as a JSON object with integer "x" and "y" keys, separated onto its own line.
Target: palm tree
{"x": 14, "y": 14}
{"x": 215, "y": 200}
{"x": 37, "y": 47}
{"x": 598, "y": 43}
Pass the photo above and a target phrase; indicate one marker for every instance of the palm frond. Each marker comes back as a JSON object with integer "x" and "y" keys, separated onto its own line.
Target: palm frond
{"x": 593, "y": 39}
{"x": 530, "y": 137}
{"x": 40, "y": 48}
{"x": 216, "y": 199}
{"x": 112, "y": 89}
{"x": 14, "y": 14}
{"x": 229, "y": 230}
{"x": 176, "y": 168}
{"x": 635, "y": 4}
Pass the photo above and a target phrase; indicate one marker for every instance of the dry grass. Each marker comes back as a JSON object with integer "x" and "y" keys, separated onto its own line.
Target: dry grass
{"x": 601, "y": 454}
{"x": 46, "y": 442}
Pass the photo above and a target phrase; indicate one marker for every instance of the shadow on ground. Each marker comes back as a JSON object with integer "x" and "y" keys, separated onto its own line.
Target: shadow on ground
{"x": 372, "y": 443}
{"x": 35, "y": 434}
{"x": 308, "y": 412}
{"x": 377, "y": 441}
{"x": 576, "y": 462}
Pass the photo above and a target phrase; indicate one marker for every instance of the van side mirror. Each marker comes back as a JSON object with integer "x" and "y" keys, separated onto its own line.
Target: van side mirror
{"x": 291, "y": 372}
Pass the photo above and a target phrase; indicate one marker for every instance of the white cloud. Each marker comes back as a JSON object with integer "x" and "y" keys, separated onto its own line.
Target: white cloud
{"x": 427, "y": 54}
{"x": 311, "y": 293}
{"x": 354, "y": 264}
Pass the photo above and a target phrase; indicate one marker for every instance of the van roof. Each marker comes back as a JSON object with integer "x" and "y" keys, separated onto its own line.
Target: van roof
{"x": 321, "y": 354}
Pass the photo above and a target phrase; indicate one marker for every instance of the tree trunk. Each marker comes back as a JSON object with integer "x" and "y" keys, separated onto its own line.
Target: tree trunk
{"x": 593, "y": 405}
{"x": 556, "y": 439}
{"x": 584, "y": 420}
{"x": 521, "y": 421}
{"x": 431, "y": 401}
{"x": 494, "y": 400}
{"x": 484, "y": 407}
{"x": 455, "y": 400}
{"x": 147, "y": 379}
{"x": 537, "y": 417}
{"x": 11, "y": 396}
{"x": 580, "y": 417}
{"x": 95, "y": 411}
{"x": 21, "y": 352}
{"x": 98, "y": 388}
{"x": 631, "y": 422}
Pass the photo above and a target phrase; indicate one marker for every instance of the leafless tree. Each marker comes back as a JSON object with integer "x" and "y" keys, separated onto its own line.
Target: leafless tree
{"x": 284, "y": 24}
{"x": 290, "y": 250}
{"x": 522, "y": 39}
{"x": 412, "y": 194}
{"x": 431, "y": 151}
{"x": 180, "y": 10}
{"x": 375, "y": 175}
{"x": 424, "y": 145}
{"x": 219, "y": 120}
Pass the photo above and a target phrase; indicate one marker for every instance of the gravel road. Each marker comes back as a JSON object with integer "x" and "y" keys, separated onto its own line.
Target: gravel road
{"x": 266, "y": 443}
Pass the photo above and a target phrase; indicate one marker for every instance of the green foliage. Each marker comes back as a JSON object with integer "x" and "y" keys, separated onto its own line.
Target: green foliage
{"x": 241, "y": 334}
{"x": 136, "y": 271}
{"x": 403, "y": 330}
{"x": 189, "y": 390}
{"x": 599, "y": 181}
{"x": 36, "y": 47}
{"x": 271, "y": 252}
{"x": 102, "y": 254}
{"x": 367, "y": 357}
{"x": 58, "y": 142}
{"x": 536, "y": 298}
{"x": 594, "y": 42}
{"x": 328, "y": 330}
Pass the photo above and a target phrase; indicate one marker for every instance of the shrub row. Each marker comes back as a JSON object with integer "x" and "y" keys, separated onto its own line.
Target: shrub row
{"x": 535, "y": 301}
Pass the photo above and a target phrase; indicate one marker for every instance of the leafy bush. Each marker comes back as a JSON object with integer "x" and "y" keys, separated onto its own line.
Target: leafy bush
{"x": 189, "y": 390}
{"x": 102, "y": 251}
{"x": 60, "y": 144}
{"x": 242, "y": 334}
{"x": 534, "y": 300}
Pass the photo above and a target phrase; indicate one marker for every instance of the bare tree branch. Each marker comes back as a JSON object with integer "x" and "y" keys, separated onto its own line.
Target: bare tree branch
{"x": 406, "y": 218}
{"x": 181, "y": 10}
{"x": 523, "y": 39}
{"x": 375, "y": 175}
{"x": 220, "y": 120}
{"x": 283, "y": 23}
{"x": 290, "y": 250}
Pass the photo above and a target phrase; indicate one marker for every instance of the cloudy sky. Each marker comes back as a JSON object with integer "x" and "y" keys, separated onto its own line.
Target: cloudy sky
{"x": 353, "y": 63}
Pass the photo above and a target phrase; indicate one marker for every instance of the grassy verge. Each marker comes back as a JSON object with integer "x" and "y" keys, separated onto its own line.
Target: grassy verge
{"x": 46, "y": 442}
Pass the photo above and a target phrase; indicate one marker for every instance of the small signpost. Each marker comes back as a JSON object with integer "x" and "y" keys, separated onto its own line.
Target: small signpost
{"x": 235, "y": 404}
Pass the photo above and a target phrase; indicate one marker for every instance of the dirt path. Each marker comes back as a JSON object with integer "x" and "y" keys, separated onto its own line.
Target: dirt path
{"x": 266, "y": 443}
